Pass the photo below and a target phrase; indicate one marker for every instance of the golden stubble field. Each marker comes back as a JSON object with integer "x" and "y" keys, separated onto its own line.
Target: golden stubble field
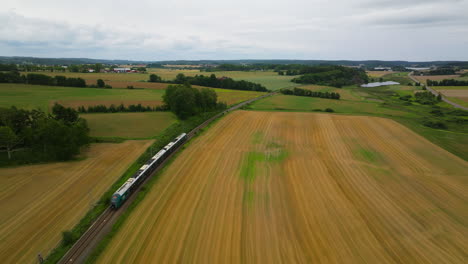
{"x": 39, "y": 202}
{"x": 272, "y": 187}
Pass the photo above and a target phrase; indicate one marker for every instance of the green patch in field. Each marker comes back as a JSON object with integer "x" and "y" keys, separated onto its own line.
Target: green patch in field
{"x": 254, "y": 162}
{"x": 249, "y": 165}
{"x": 257, "y": 137}
{"x": 248, "y": 197}
{"x": 270, "y": 152}
{"x": 368, "y": 155}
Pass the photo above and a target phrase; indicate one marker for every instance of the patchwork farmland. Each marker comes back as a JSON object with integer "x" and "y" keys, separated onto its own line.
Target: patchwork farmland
{"x": 38, "y": 96}
{"x": 304, "y": 187}
{"x": 39, "y": 202}
{"x": 269, "y": 79}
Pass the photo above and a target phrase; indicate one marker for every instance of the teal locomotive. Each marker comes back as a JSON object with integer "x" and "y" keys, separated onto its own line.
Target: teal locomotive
{"x": 122, "y": 194}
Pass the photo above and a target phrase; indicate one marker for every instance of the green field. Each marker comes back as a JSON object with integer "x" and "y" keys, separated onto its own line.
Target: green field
{"x": 37, "y": 96}
{"x": 306, "y": 104}
{"x": 129, "y": 125}
{"x": 383, "y": 102}
{"x": 271, "y": 80}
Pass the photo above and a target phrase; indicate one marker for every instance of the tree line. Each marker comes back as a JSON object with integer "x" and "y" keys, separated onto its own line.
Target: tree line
{"x": 40, "y": 79}
{"x": 305, "y": 92}
{"x": 336, "y": 76}
{"x": 447, "y": 82}
{"x": 440, "y": 71}
{"x": 34, "y": 136}
{"x": 211, "y": 81}
{"x": 186, "y": 101}
{"x": 121, "y": 108}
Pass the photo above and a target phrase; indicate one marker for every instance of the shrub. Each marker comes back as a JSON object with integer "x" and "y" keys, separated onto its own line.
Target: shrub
{"x": 100, "y": 83}
{"x": 329, "y": 110}
{"x": 435, "y": 124}
{"x": 67, "y": 238}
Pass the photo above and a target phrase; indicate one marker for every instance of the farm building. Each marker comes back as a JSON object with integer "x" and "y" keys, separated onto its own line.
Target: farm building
{"x": 122, "y": 69}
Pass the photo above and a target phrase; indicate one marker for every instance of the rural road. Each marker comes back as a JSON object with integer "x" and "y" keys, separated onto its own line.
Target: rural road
{"x": 436, "y": 94}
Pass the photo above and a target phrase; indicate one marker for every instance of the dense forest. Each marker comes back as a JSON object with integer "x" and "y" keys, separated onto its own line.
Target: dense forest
{"x": 336, "y": 76}
{"x": 40, "y": 79}
{"x": 29, "y": 136}
{"x": 186, "y": 101}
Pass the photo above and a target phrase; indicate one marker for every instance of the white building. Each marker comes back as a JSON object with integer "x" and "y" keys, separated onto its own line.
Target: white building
{"x": 122, "y": 69}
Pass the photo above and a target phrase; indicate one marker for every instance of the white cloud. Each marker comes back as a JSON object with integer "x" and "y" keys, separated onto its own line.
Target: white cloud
{"x": 217, "y": 29}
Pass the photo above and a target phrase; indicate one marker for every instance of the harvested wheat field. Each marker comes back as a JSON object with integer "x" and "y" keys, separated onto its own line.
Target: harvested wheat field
{"x": 39, "y": 202}
{"x": 272, "y": 187}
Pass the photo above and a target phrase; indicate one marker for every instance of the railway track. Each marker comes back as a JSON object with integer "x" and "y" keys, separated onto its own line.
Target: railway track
{"x": 101, "y": 226}
{"x": 87, "y": 237}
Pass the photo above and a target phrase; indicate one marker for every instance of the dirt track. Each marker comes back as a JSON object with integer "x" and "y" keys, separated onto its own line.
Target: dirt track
{"x": 262, "y": 187}
{"x": 38, "y": 202}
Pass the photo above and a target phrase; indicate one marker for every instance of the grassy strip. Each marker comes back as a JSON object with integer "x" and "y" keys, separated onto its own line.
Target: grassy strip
{"x": 161, "y": 140}
{"x": 140, "y": 196}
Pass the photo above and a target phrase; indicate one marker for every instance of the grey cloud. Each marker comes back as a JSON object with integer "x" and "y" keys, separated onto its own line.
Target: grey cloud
{"x": 382, "y": 4}
{"x": 213, "y": 29}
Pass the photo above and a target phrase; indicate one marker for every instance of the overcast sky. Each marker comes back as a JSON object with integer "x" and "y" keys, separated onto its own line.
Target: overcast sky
{"x": 417, "y": 30}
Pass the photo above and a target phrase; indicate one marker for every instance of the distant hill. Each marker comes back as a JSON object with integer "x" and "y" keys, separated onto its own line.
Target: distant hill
{"x": 62, "y": 61}
{"x": 367, "y": 63}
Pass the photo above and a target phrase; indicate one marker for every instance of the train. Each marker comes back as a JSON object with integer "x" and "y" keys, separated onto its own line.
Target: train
{"x": 122, "y": 194}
